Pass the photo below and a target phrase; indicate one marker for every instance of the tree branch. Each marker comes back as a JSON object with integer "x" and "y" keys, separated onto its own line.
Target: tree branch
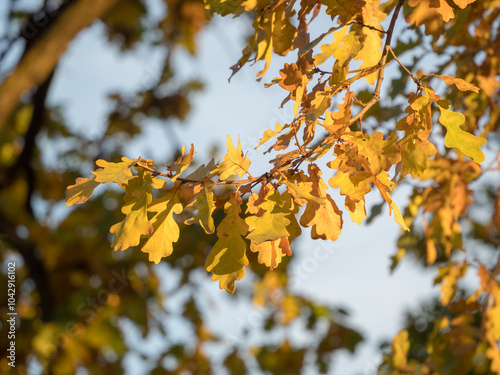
{"x": 35, "y": 265}
{"x": 37, "y": 63}
{"x": 380, "y": 78}
{"x": 23, "y": 163}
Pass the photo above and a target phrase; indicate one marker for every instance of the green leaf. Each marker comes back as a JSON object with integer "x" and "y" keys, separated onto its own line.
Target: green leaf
{"x": 457, "y": 138}
{"x": 119, "y": 173}
{"x": 81, "y": 191}
{"x": 166, "y": 230}
{"x": 228, "y": 256}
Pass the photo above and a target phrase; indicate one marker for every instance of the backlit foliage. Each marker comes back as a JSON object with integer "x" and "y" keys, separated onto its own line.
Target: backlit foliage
{"x": 362, "y": 160}
{"x": 430, "y": 125}
{"x": 375, "y": 158}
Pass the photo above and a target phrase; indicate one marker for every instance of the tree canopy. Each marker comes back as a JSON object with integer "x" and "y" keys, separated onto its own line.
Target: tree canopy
{"x": 384, "y": 94}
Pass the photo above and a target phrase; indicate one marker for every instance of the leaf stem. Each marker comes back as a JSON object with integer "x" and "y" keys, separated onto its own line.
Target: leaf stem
{"x": 415, "y": 79}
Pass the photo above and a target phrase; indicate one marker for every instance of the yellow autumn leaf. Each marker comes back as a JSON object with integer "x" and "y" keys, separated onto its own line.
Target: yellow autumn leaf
{"x": 457, "y": 138}
{"x": 302, "y": 192}
{"x": 352, "y": 44}
{"x": 461, "y": 84}
{"x": 270, "y": 253}
{"x": 235, "y": 163}
{"x": 327, "y": 50}
{"x": 463, "y": 3}
{"x": 181, "y": 164}
{"x": 128, "y": 232}
{"x": 268, "y": 134}
{"x": 357, "y": 210}
{"x": 81, "y": 191}
{"x": 205, "y": 206}
{"x": 118, "y": 173}
{"x": 271, "y": 222}
{"x": 228, "y": 256}
{"x": 325, "y": 219}
{"x": 166, "y": 230}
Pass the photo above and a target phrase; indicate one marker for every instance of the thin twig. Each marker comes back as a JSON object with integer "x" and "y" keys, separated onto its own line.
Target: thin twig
{"x": 305, "y": 155}
{"x": 371, "y": 27}
{"x": 415, "y": 79}
{"x": 380, "y": 78}
{"x": 302, "y": 151}
{"x": 187, "y": 180}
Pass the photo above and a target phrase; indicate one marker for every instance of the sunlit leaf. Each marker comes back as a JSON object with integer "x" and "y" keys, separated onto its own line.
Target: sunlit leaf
{"x": 166, "y": 230}
{"x": 271, "y": 222}
{"x": 182, "y": 163}
{"x": 205, "y": 206}
{"x": 458, "y": 82}
{"x": 118, "y": 173}
{"x": 235, "y": 163}
{"x": 456, "y": 137}
{"x": 228, "y": 256}
{"x": 81, "y": 191}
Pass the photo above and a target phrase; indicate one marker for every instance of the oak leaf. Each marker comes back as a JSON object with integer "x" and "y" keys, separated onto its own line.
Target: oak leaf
{"x": 205, "y": 206}
{"x": 228, "y": 256}
{"x": 346, "y": 10}
{"x": 270, "y": 222}
{"x": 222, "y": 7}
{"x": 128, "y": 232}
{"x": 415, "y": 156}
{"x": 268, "y": 134}
{"x": 448, "y": 276}
{"x": 327, "y": 50}
{"x": 202, "y": 171}
{"x": 457, "y": 138}
{"x": 352, "y": 44}
{"x": 383, "y": 184}
{"x": 463, "y": 3}
{"x": 166, "y": 230}
{"x": 119, "y": 173}
{"x": 458, "y": 82}
{"x": 270, "y": 253}
{"x": 323, "y": 216}
{"x": 81, "y": 191}
{"x": 235, "y": 163}
{"x": 443, "y": 8}
{"x": 302, "y": 192}
{"x": 181, "y": 164}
